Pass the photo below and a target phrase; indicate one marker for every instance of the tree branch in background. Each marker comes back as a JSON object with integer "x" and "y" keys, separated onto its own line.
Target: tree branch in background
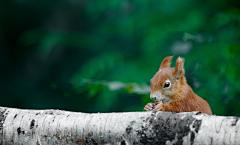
{"x": 115, "y": 86}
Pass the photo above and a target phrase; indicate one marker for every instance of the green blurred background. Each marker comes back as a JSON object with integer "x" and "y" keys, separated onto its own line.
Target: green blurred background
{"x": 99, "y": 56}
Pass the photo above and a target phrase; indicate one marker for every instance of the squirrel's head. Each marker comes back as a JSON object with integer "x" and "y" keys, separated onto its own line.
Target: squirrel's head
{"x": 166, "y": 84}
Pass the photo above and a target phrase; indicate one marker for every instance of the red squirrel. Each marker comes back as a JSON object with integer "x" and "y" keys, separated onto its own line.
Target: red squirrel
{"x": 170, "y": 91}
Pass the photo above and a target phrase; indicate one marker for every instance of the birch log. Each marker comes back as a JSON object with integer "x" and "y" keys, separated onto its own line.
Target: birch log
{"x": 29, "y": 127}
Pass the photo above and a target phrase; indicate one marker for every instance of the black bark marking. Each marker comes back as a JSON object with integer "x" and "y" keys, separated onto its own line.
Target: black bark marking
{"x": 2, "y": 120}
{"x": 123, "y": 142}
{"x": 192, "y": 138}
{"x": 54, "y": 118}
{"x": 19, "y": 130}
{"x": 15, "y": 116}
{"x": 89, "y": 139}
{"x": 132, "y": 122}
{"x": 211, "y": 140}
{"x": 198, "y": 112}
{"x": 49, "y": 112}
{"x": 92, "y": 141}
{"x": 197, "y": 125}
{"x": 32, "y": 124}
{"x": 128, "y": 130}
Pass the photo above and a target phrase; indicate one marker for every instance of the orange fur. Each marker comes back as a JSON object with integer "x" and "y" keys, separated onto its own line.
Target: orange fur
{"x": 183, "y": 99}
{"x": 166, "y": 62}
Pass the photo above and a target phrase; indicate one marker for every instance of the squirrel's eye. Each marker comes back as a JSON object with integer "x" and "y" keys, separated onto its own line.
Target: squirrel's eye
{"x": 167, "y": 84}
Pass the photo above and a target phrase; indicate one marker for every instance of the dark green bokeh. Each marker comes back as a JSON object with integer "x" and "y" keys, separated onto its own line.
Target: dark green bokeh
{"x": 68, "y": 54}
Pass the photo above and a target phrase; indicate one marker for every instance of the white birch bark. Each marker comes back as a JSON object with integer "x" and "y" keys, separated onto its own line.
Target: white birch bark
{"x": 42, "y": 127}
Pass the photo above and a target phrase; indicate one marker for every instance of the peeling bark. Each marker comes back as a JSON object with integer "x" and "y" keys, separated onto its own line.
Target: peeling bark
{"x": 154, "y": 127}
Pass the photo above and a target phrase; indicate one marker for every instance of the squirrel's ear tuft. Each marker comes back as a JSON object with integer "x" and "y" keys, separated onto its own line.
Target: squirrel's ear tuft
{"x": 166, "y": 62}
{"x": 179, "y": 69}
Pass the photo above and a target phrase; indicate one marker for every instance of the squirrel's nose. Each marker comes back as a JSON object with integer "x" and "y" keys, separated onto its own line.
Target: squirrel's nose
{"x": 153, "y": 97}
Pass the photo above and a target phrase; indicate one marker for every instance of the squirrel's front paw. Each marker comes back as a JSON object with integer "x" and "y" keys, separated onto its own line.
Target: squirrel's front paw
{"x": 149, "y": 106}
{"x": 158, "y": 107}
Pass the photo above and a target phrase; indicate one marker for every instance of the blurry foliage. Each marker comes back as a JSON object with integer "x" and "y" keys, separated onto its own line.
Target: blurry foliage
{"x": 98, "y": 56}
